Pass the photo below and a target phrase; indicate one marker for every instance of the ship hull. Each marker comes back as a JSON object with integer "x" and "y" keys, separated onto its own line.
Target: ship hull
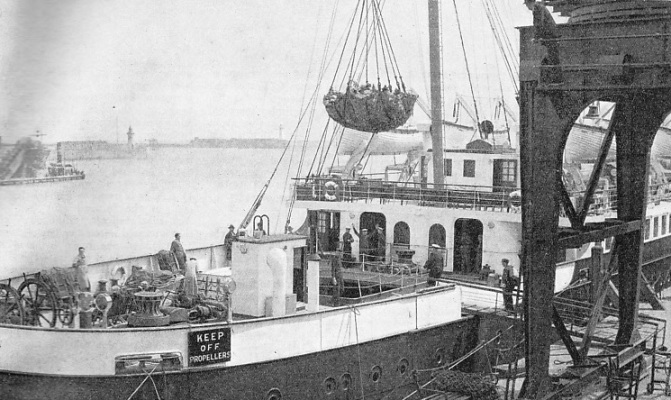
{"x": 390, "y": 360}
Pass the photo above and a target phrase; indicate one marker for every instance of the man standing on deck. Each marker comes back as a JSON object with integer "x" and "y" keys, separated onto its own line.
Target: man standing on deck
{"x": 364, "y": 245}
{"x": 381, "y": 247}
{"x": 81, "y": 271}
{"x": 508, "y": 283}
{"x": 177, "y": 249}
{"x": 347, "y": 240}
{"x": 228, "y": 243}
{"x": 434, "y": 264}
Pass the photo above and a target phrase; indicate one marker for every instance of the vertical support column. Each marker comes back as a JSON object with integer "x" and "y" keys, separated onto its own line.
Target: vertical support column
{"x": 595, "y": 266}
{"x": 541, "y": 145}
{"x": 436, "y": 92}
{"x": 635, "y": 126}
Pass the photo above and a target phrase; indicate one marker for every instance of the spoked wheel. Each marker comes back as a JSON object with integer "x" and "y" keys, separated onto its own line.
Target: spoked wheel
{"x": 39, "y": 303}
{"x": 11, "y": 310}
{"x": 66, "y": 311}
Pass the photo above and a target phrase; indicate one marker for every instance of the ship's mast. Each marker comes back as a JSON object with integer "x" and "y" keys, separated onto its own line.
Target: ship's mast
{"x": 436, "y": 92}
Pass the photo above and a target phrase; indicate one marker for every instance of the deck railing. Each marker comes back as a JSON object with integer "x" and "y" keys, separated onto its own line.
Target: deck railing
{"x": 373, "y": 190}
{"x": 486, "y": 198}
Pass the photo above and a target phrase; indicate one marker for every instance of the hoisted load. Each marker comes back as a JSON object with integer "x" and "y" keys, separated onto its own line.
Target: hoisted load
{"x": 369, "y": 107}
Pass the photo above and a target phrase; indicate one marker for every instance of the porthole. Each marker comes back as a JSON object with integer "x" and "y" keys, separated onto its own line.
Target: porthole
{"x": 376, "y": 374}
{"x": 439, "y": 356}
{"x": 345, "y": 382}
{"x": 330, "y": 385}
{"x": 403, "y": 366}
{"x": 274, "y": 394}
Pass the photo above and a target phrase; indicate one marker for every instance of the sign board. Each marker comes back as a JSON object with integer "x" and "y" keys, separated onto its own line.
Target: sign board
{"x": 211, "y": 346}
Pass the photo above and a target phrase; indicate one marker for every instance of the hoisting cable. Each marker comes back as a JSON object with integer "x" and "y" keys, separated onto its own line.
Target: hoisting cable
{"x": 322, "y": 70}
{"x": 342, "y": 53}
{"x": 356, "y": 43}
{"x": 390, "y": 49}
{"x": 468, "y": 70}
{"x": 364, "y": 58}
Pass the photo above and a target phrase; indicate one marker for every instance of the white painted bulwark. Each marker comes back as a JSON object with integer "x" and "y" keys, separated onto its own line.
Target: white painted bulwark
{"x": 93, "y": 352}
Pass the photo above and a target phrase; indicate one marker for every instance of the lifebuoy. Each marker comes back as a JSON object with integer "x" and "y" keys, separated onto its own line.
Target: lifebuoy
{"x": 330, "y": 190}
{"x": 514, "y": 199}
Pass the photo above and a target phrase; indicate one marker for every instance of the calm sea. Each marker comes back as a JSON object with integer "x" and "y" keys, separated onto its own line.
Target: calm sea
{"x": 134, "y": 207}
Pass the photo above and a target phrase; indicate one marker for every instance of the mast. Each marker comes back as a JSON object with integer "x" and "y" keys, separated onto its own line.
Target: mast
{"x": 436, "y": 92}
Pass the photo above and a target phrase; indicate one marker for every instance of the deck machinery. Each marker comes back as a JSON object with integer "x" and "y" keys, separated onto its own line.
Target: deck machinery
{"x": 609, "y": 50}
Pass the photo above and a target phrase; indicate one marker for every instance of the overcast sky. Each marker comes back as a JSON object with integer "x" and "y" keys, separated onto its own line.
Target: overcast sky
{"x": 180, "y": 69}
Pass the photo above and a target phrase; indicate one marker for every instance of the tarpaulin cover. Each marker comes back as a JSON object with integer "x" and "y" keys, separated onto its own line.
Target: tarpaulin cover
{"x": 370, "y": 110}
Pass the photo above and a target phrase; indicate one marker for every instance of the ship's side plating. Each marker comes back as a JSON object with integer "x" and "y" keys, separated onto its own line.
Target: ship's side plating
{"x": 346, "y": 352}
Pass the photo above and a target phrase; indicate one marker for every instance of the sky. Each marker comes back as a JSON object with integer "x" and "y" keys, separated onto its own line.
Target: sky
{"x": 179, "y": 69}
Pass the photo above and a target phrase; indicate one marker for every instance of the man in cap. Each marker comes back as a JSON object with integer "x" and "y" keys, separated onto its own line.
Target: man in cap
{"x": 347, "y": 240}
{"x": 81, "y": 271}
{"x": 434, "y": 264}
{"x": 364, "y": 244}
{"x": 381, "y": 246}
{"x": 228, "y": 242}
{"x": 508, "y": 283}
{"x": 177, "y": 249}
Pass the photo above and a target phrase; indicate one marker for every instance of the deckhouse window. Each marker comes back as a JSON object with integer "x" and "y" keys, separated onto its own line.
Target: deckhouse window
{"x": 663, "y": 225}
{"x": 323, "y": 222}
{"x": 469, "y": 168}
{"x": 655, "y": 227}
{"x": 508, "y": 171}
{"x": 447, "y": 167}
{"x": 647, "y": 229}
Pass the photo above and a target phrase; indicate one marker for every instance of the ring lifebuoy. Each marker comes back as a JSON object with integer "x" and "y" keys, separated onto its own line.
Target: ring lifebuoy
{"x": 330, "y": 190}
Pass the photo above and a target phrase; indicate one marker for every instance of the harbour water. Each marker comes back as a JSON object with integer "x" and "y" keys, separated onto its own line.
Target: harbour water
{"x": 134, "y": 206}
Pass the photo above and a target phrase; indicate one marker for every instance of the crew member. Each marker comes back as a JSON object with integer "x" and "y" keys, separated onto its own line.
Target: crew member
{"x": 364, "y": 243}
{"x": 177, "y": 249}
{"x": 508, "y": 283}
{"x": 81, "y": 271}
{"x": 435, "y": 265}
{"x": 347, "y": 240}
{"x": 228, "y": 242}
{"x": 381, "y": 244}
{"x": 259, "y": 230}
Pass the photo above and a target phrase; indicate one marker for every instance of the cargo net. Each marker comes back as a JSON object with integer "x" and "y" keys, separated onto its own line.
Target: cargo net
{"x": 368, "y": 109}
{"x": 61, "y": 281}
{"x": 160, "y": 280}
{"x": 478, "y": 386}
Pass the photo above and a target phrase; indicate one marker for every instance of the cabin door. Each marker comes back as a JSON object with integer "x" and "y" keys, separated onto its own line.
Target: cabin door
{"x": 328, "y": 230}
{"x": 505, "y": 175}
{"x": 376, "y": 238}
{"x": 467, "y": 246}
{"x": 300, "y": 281}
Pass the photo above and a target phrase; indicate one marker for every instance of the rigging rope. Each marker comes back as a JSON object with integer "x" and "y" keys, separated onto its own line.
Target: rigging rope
{"x": 503, "y": 42}
{"x": 468, "y": 70}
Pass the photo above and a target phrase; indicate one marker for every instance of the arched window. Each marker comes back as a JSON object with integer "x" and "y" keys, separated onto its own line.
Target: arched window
{"x": 437, "y": 235}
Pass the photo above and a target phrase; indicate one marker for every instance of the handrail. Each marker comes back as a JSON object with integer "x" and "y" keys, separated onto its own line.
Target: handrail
{"x": 494, "y": 198}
